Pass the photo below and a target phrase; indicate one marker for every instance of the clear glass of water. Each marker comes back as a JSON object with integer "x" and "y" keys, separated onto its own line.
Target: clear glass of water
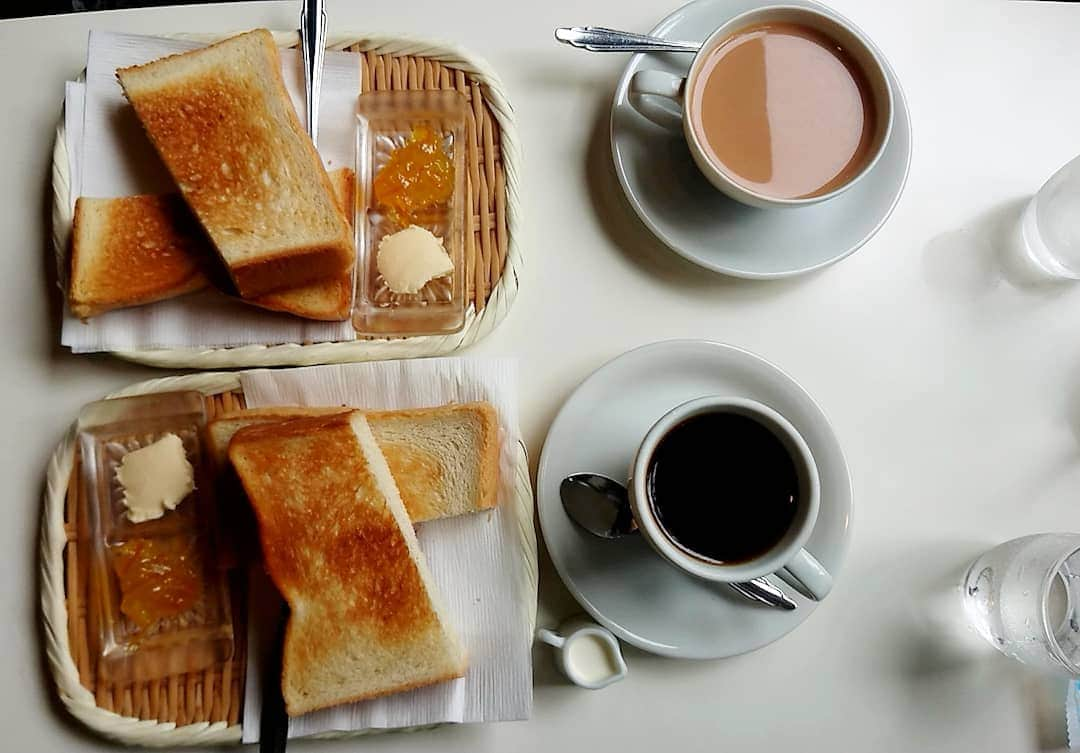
{"x": 1024, "y": 598}
{"x": 1050, "y": 227}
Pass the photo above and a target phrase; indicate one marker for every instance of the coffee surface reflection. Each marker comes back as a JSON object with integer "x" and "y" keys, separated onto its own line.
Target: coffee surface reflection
{"x": 783, "y": 110}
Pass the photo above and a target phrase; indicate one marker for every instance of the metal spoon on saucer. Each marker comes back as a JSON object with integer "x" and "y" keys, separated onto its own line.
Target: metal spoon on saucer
{"x": 601, "y": 506}
{"x": 600, "y": 39}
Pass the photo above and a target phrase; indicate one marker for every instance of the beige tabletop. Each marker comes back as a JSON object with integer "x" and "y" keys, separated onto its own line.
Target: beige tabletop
{"x": 955, "y": 392}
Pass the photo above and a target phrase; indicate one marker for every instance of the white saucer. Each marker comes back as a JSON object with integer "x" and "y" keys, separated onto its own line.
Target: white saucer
{"x": 622, "y": 583}
{"x": 683, "y": 210}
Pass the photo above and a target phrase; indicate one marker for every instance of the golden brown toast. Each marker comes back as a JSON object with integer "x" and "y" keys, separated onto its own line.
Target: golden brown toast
{"x": 364, "y": 619}
{"x": 222, "y": 122}
{"x": 329, "y": 299}
{"x": 445, "y": 460}
{"x": 155, "y": 240}
{"x": 131, "y": 251}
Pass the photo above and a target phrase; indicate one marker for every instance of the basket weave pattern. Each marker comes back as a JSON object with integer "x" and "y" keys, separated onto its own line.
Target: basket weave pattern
{"x": 192, "y": 709}
{"x": 486, "y": 237}
{"x": 213, "y": 695}
{"x": 493, "y": 258}
{"x": 200, "y": 708}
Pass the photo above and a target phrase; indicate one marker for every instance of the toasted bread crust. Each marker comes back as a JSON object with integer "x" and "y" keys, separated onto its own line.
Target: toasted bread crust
{"x": 223, "y": 427}
{"x": 141, "y": 229}
{"x": 306, "y": 143}
{"x": 420, "y": 475}
{"x": 326, "y": 300}
{"x": 487, "y": 460}
{"x": 222, "y": 121}
{"x": 329, "y": 300}
{"x": 288, "y": 269}
{"x": 296, "y": 709}
{"x": 489, "y": 466}
{"x": 133, "y": 250}
{"x": 339, "y": 548}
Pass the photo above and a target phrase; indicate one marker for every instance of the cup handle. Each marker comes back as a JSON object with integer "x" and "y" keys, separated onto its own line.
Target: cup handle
{"x": 552, "y": 639}
{"x": 660, "y": 84}
{"x": 806, "y": 575}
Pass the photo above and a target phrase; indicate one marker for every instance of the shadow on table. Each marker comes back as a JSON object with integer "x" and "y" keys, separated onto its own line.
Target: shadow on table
{"x": 977, "y": 258}
{"x": 948, "y": 672}
{"x": 983, "y": 264}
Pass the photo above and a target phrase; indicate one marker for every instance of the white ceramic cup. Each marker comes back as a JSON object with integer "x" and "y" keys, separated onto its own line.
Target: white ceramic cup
{"x": 674, "y": 88}
{"x": 787, "y": 558}
{"x": 579, "y": 662}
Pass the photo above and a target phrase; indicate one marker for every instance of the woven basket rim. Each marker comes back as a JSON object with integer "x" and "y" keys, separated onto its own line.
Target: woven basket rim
{"x": 477, "y": 324}
{"x": 79, "y": 701}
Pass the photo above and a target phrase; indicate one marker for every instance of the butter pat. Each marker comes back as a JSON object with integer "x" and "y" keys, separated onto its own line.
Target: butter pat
{"x": 411, "y": 258}
{"x": 155, "y": 478}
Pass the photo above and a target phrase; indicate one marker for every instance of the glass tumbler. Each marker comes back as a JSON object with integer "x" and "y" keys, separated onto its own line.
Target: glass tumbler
{"x": 1023, "y": 597}
{"x": 1050, "y": 226}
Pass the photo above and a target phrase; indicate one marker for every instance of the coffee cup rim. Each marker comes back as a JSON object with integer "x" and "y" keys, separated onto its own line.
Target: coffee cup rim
{"x": 695, "y": 563}
{"x": 733, "y": 24}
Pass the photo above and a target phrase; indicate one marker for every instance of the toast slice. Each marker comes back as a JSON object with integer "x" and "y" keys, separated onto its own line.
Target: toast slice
{"x": 221, "y": 429}
{"x": 131, "y": 251}
{"x": 327, "y": 300}
{"x": 140, "y": 249}
{"x": 364, "y": 619}
{"x": 330, "y": 299}
{"x": 222, "y": 122}
{"x": 445, "y": 460}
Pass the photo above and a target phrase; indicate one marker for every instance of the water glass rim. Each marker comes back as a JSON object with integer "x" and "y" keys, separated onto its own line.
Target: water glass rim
{"x": 1056, "y": 651}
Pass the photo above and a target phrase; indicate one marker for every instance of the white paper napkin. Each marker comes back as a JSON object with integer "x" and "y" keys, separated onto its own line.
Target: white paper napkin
{"x": 476, "y": 560}
{"x": 111, "y": 156}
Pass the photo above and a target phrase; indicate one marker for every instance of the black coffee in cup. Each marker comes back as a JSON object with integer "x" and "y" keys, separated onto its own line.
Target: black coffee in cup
{"x": 723, "y": 486}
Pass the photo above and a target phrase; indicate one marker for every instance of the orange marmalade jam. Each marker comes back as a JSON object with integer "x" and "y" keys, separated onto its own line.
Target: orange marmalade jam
{"x": 159, "y": 578}
{"x": 418, "y": 175}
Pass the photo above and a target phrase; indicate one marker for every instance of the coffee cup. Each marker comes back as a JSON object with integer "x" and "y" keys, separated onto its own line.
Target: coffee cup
{"x": 770, "y": 118}
{"x": 726, "y": 489}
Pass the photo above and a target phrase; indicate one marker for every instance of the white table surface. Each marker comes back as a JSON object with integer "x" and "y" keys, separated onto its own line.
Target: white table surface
{"x": 955, "y": 392}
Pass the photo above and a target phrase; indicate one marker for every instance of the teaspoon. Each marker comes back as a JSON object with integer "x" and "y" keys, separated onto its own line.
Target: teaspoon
{"x": 313, "y": 48}
{"x": 601, "y": 506}
{"x": 599, "y": 39}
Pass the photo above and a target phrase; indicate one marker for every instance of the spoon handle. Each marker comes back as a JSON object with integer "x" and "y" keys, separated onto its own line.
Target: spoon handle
{"x": 762, "y": 591}
{"x": 599, "y": 39}
{"x": 313, "y": 48}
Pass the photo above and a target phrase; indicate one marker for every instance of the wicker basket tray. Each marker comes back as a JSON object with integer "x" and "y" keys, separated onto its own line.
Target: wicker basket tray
{"x": 493, "y": 257}
{"x": 200, "y": 708}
